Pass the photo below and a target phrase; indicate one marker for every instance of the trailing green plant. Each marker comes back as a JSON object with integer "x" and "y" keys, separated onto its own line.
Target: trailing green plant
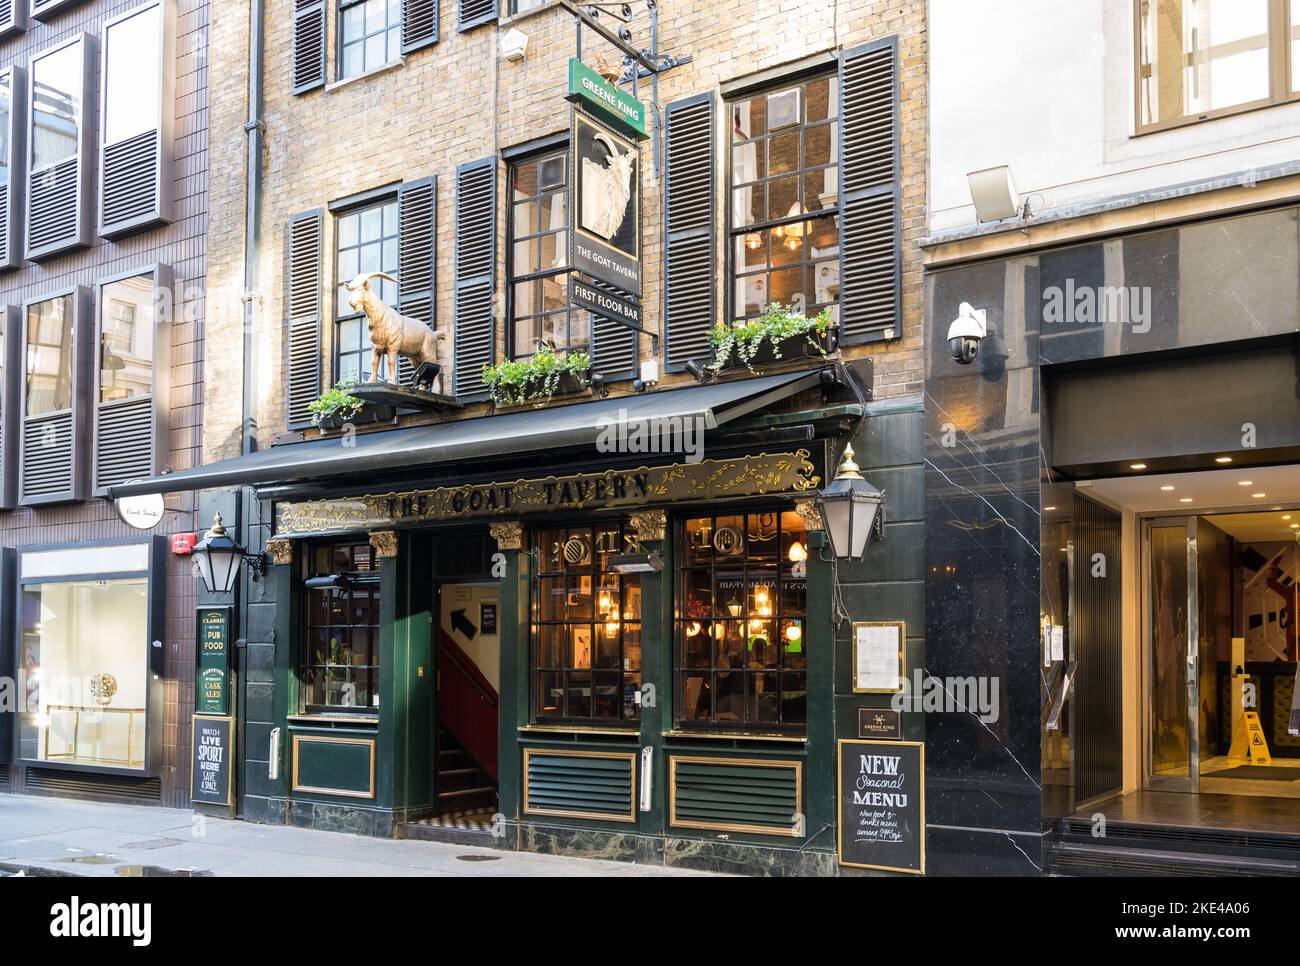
{"x": 739, "y": 342}
{"x": 336, "y": 402}
{"x": 535, "y": 380}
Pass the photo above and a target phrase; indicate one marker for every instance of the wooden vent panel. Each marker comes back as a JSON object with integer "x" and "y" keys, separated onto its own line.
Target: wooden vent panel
{"x": 736, "y": 795}
{"x": 580, "y": 784}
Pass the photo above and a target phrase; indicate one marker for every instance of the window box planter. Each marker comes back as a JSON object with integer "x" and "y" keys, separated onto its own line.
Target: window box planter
{"x": 537, "y": 380}
{"x": 777, "y": 336}
{"x": 368, "y": 415}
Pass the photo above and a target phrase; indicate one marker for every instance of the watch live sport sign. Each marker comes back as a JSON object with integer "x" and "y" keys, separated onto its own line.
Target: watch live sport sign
{"x": 610, "y": 101}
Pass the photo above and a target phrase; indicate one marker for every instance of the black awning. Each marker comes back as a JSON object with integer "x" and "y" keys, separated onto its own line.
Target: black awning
{"x": 521, "y": 432}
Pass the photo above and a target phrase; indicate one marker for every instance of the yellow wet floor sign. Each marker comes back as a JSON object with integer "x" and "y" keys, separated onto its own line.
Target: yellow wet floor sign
{"x": 1248, "y": 740}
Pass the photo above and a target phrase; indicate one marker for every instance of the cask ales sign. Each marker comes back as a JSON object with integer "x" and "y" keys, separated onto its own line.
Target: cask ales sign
{"x": 212, "y": 674}
{"x": 882, "y": 805}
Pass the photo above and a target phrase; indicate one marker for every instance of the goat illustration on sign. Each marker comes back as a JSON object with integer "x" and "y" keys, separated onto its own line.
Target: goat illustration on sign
{"x": 391, "y": 333}
{"x": 607, "y": 188}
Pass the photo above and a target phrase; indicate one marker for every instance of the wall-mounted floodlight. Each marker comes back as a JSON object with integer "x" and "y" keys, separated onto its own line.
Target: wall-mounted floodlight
{"x": 994, "y": 193}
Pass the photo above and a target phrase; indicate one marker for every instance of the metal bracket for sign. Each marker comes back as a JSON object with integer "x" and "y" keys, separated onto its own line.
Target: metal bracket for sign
{"x": 640, "y": 62}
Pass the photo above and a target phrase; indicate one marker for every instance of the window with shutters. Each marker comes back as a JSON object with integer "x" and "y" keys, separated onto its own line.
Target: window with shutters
{"x": 49, "y": 356}
{"x": 366, "y": 240}
{"x": 369, "y": 35}
{"x": 539, "y": 260}
{"x": 132, "y": 366}
{"x": 586, "y": 627}
{"x": 11, "y": 140}
{"x": 135, "y": 119}
{"x": 58, "y": 160}
{"x": 303, "y": 305}
{"x": 784, "y": 226}
{"x": 741, "y": 653}
{"x": 13, "y": 17}
{"x": 10, "y": 361}
{"x": 475, "y": 13}
{"x": 52, "y": 467}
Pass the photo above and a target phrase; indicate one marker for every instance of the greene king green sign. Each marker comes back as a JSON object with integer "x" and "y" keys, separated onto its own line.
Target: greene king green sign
{"x": 609, "y": 101}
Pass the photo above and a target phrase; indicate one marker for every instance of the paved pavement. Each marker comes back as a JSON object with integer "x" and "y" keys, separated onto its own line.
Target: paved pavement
{"x": 59, "y": 836}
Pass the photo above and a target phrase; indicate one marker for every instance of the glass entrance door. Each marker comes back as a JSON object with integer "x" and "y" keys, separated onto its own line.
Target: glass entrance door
{"x": 1172, "y": 637}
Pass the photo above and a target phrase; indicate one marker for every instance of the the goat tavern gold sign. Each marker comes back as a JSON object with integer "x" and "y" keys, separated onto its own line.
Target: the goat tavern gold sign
{"x": 707, "y": 480}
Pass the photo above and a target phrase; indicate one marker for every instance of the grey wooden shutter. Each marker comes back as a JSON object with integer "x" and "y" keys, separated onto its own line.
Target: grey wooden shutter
{"x": 59, "y": 196}
{"x": 419, "y": 24}
{"x": 13, "y": 17}
{"x": 136, "y": 187}
{"x": 11, "y": 356}
{"x": 53, "y": 445}
{"x": 690, "y": 259}
{"x": 613, "y": 346}
{"x": 476, "y": 233}
{"x": 308, "y": 45}
{"x": 417, "y": 239}
{"x": 870, "y": 219}
{"x": 475, "y": 13}
{"x": 304, "y": 304}
{"x": 130, "y": 435}
{"x": 14, "y": 80}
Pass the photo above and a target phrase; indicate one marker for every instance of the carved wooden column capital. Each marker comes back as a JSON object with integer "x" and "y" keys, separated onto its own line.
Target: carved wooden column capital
{"x": 280, "y": 550}
{"x": 384, "y": 542}
{"x": 649, "y": 524}
{"x": 509, "y": 535}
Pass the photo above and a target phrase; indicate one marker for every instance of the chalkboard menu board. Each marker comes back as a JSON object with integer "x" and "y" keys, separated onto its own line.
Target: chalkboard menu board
{"x": 882, "y": 805}
{"x": 212, "y": 663}
{"x": 212, "y": 751}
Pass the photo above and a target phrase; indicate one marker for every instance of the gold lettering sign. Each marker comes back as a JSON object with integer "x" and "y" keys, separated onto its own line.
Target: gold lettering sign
{"x": 706, "y": 480}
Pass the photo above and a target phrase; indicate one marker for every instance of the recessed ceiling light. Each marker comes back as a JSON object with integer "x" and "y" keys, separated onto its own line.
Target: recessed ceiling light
{"x": 1048, "y": 508}
{"x": 1137, "y": 466}
{"x": 1295, "y": 526}
{"x": 1286, "y": 516}
{"x": 1223, "y": 459}
{"x": 1186, "y": 499}
{"x": 1166, "y": 488}
{"x": 1258, "y": 496}
{"x": 1245, "y": 482}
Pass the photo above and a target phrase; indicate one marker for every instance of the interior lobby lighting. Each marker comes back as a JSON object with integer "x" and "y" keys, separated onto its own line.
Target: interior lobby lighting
{"x": 1245, "y": 482}
{"x": 1166, "y": 487}
{"x": 1223, "y": 459}
{"x": 1185, "y": 499}
{"x": 1258, "y": 496}
{"x": 1137, "y": 466}
{"x": 1048, "y": 509}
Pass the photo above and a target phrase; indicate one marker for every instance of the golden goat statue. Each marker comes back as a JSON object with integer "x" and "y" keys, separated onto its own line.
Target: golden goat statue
{"x": 391, "y": 333}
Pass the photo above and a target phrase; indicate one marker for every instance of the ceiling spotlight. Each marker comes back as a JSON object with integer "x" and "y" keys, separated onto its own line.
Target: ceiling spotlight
{"x": 1137, "y": 466}
{"x": 1245, "y": 482}
{"x": 1048, "y": 509}
{"x": 1286, "y": 516}
{"x": 1185, "y": 499}
{"x": 1166, "y": 487}
{"x": 1258, "y": 496}
{"x": 1223, "y": 459}
{"x": 696, "y": 370}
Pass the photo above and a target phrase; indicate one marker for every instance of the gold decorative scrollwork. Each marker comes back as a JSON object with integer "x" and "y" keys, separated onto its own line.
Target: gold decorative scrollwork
{"x": 508, "y": 535}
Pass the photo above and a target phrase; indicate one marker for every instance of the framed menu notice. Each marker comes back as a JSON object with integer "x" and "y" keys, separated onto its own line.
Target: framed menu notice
{"x": 878, "y": 665}
{"x": 882, "y": 805}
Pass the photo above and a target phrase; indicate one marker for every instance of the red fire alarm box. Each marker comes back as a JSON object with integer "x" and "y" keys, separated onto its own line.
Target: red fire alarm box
{"x": 183, "y": 543}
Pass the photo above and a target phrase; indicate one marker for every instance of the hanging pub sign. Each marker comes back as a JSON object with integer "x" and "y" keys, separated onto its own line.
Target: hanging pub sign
{"x": 212, "y": 745}
{"x": 605, "y": 216}
{"x": 212, "y": 663}
{"x": 606, "y": 304}
{"x": 607, "y": 100}
{"x": 882, "y": 805}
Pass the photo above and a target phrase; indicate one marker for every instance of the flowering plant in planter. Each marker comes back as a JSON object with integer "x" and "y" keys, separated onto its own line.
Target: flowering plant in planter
{"x": 538, "y": 379}
{"x": 336, "y": 405}
{"x": 774, "y": 334}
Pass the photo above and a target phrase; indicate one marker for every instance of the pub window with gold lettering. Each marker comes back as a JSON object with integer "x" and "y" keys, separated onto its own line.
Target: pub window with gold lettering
{"x": 586, "y": 626}
{"x": 741, "y": 622}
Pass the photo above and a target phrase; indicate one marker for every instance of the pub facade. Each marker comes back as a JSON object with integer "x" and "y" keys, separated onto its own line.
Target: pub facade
{"x": 556, "y": 573}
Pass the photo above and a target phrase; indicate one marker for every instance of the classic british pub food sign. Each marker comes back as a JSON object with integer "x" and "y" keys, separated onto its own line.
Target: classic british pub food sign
{"x": 213, "y": 728}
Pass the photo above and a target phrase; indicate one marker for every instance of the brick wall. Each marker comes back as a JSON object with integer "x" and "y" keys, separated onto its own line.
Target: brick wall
{"x": 457, "y": 101}
{"x": 181, "y": 244}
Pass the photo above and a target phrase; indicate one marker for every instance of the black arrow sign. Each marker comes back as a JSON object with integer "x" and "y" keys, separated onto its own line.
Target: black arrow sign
{"x": 459, "y": 622}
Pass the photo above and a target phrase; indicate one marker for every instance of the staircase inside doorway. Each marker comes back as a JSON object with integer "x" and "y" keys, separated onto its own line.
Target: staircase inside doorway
{"x": 467, "y": 799}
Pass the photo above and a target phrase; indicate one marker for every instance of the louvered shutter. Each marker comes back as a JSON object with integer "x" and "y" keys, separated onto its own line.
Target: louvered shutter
{"x": 47, "y": 10}
{"x": 13, "y": 83}
{"x": 476, "y": 231}
{"x": 13, "y": 17}
{"x": 11, "y": 354}
{"x": 690, "y": 260}
{"x": 419, "y": 24}
{"x": 613, "y": 346}
{"x": 52, "y": 464}
{"x": 870, "y": 220}
{"x": 304, "y": 304}
{"x": 475, "y": 13}
{"x": 130, "y": 435}
{"x": 417, "y": 237}
{"x": 308, "y": 45}
{"x": 136, "y": 187}
{"x": 59, "y": 202}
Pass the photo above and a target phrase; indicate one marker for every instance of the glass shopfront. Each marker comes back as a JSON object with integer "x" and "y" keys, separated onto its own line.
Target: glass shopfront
{"x": 84, "y": 656}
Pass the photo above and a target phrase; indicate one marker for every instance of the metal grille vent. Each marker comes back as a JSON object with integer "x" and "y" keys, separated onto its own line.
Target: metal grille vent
{"x": 124, "y": 441}
{"x": 99, "y": 787}
{"x": 47, "y": 456}
{"x": 737, "y": 796}
{"x": 53, "y": 193}
{"x": 586, "y": 785}
{"x": 130, "y": 189}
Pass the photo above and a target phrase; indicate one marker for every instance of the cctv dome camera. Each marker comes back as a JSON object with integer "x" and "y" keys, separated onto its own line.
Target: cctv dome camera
{"x": 967, "y": 331}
